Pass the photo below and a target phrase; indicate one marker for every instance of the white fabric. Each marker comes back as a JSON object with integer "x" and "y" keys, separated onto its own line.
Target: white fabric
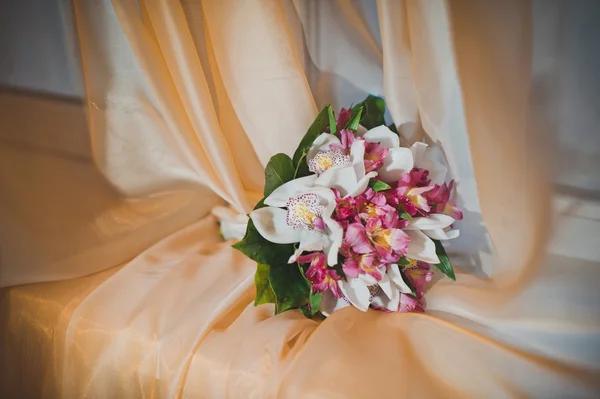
{"x": 201, "y": 94}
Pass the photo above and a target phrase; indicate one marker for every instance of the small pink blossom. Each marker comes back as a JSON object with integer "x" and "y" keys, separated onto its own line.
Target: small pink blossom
{"x": 439, "y": 197}
{"x": 343, "y": 118}
{"x": 321, "y": 277}
{"x": 374, "y": 156}
{"x": 415, "y": 195}
{"x": 356, "y": 238}
{"x": 418, "y": 273}
{"x": 408, "y": 303}
{"x": 346, "y": 140}
{"x": 357, "y": 264}
{"x": 371, "y": 204}
{"x": 345, "y": 208}
{"x": 389, "y": 243}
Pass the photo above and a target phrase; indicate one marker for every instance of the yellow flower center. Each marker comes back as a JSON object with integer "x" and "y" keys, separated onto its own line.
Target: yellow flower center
{"x": 302, "y": 211}
{"x": 383, "y": 238}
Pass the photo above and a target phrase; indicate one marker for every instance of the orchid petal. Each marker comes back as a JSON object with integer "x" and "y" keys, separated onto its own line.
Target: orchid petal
{"x": 384, "y": 136}
{"x": 398, "y": 162}
{"x": 434, "y": 221}
{"x": 342, "y": 179}
{"x": 423, "y": 158}
{"x": 336, "y": 235}
{"x": 396, "y": 277}
{"x": 330, "y": 303}
{"x": 291, "y": 189}
{"x": 309, "y": 241}
{"x": 421, "y": 247}
{"x": 357, "y": 293}
{"x": 440, "y": 234}
{"x": 322, "y": 143}
{"x": 361, "y": 185}
{"x": 357, "y": 153}
{"x": 386, "y": 285}
{"x": 388, "y": 303}
{"x": 271, "y": 224}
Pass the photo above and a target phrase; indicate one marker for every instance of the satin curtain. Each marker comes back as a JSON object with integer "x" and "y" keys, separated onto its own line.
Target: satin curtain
{"x": 197, "y": 95}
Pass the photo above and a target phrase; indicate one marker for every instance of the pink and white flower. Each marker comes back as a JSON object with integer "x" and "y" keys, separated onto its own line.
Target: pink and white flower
{"x": 339, "y": 165}
{"x": 321, "y": 277}
{"x": 307, "y": 219}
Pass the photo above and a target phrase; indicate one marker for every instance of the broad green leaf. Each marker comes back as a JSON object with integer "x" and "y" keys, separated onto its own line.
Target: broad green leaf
{"x": 378, "y": 185}
{"x": 332, "y": 125}
{"x": 254, "y": 246}
{"x": 444, "y": 266}
{"x": 373, "y": 112}
{"x": 315, "y": 302}
{"x": 291, "y": 288}
{"x": 264, "y": 292}
{"x": 279, "y": 170}
{"x": 405, "y": 216}
{"x": 318, "y": 126}
{"x": 355, "y": 120}
{"x": 403, "y": 261}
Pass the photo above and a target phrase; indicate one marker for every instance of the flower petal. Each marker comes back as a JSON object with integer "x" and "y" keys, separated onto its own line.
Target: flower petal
{"x": 342, "y": 179}
{"x": 291, "y": 189}
{"x": 336, "y": 235}
{"x": 398, "y": 161}
{"x": 424, "y": 158}
{"x": 395, "y": 276}
{"x": 440, "y": 234}
{"x": 357, "y": 154}
{"x": 421, "y": 247}
{"x": 357, "y": 293}
{"x": 384, "y": 136}
{"x": 321, "y": 143}
{"x": 434, "y": 221}
{"x": 271, "y": 224}
{"x": 390, "y": 304}
{"x": 330, "y": 303}
{"x": 361, "y": 185}
{"x": 309, "y": 241}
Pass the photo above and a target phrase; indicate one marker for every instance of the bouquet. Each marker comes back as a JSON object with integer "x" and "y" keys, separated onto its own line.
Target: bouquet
{"x": 352, "y": 219}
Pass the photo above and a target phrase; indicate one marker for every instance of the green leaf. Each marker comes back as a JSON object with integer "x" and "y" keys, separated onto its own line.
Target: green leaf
{"x": 254, "y": 246}
{"x": 318, "y": 126}
{"x": 444, "y": 266}
{"x": 378, "y": 185}
{"x": 279, "y": 170}
{"x": 373, "y": 112}
{"x": 355, "y": 120}
{"x": 264, "y": 292}
{"x": 393, "y": 128}
{"x": 261, "y": 204}
{"x": 332, "y": 124}
{"x": 315, "y": 302}
{"x": 405, "y": 216}
{"x": 403, "y": 261}
{"x": 291, "y": 288}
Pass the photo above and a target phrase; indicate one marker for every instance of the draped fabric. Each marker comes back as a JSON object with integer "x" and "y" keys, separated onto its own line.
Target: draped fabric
{"x": 188, "y": 100}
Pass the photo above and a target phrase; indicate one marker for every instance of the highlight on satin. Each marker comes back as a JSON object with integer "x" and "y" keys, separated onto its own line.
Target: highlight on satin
{"x": 353, "y": 219}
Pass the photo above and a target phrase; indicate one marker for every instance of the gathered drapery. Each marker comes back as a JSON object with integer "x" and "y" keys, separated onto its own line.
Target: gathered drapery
{"x": 187, "y": 101}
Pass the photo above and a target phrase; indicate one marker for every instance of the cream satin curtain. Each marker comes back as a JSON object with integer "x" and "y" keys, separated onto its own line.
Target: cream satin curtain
{"x": 187, "y": 101}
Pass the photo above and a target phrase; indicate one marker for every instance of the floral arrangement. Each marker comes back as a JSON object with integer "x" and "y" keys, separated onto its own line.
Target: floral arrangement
{"x": 352, "y": 219}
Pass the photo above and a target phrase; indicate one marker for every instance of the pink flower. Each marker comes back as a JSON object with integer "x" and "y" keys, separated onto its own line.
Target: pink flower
{"x": 415, "y": 195}
{"x": 439, "y": 197}
{"x": 356, "y": 238}
{"x": 418, "y": 274}
{"x": 408, "y": 303}
{"x": 321, "y": 276}
{"x": 346, "y": 139}
{"x": 343, "y": 118}
{"x": 371, "y": 204}
{"x": 389, "y": 243}
{"x": 345, "y": 208}
{"x": 356, "y": 264}
{"x": 374, "y": 156}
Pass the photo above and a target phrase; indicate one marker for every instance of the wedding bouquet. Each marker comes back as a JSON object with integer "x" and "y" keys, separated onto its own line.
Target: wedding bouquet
{"x": 352, "y": 219}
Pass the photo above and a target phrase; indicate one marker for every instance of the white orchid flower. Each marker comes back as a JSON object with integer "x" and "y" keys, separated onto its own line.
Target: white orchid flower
{"x": 424, "y": 157}
{"x": 421, "y": 230}
{"x": 399, "y": 160}
{"x": 363, "y": 291}
{"x": 336, "y": 169}
{"x": 232, "y": 224}
{"x": 307, "y": 219}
